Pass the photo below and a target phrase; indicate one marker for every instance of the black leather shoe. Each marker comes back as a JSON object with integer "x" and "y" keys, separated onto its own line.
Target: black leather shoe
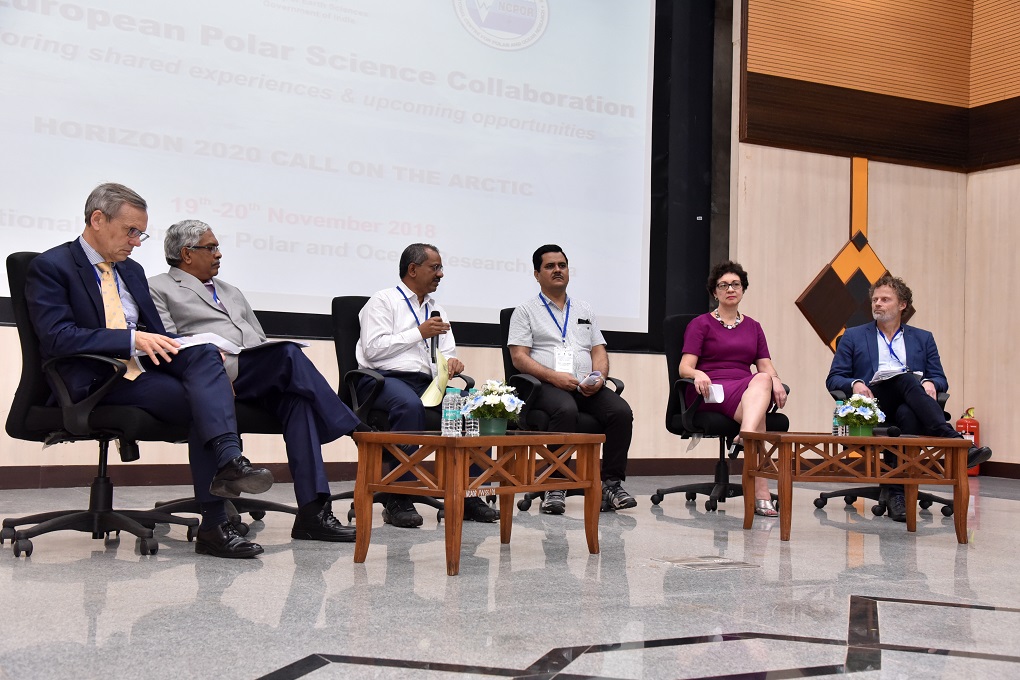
{"x": 978, "y": 455}
{"x": 224, "y": 541}
{"x": 399, "y": 511}
{"x": 317, "y": 523}
{"x": 896, "y": 507}
{"x": 238, "y": 476}
{"x": 477, "y": 510}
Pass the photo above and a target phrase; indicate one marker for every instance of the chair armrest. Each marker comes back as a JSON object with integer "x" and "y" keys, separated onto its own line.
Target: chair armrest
{"x": 469, "y": 382}
{"x": 678, "y": 400}
{"x": 75, "y": 415}
{"x": 775, "y": 407}
{"x": 617, "y": 384}
{"x": 351, "y": 379}
{"x": 527, "y": 387}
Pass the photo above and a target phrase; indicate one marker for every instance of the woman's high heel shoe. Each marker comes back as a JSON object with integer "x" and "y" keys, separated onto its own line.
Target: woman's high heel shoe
{"x": 765, "y": 507}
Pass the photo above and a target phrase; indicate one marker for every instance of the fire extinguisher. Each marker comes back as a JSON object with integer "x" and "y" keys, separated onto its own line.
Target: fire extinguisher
{"x": 970, "y": 428}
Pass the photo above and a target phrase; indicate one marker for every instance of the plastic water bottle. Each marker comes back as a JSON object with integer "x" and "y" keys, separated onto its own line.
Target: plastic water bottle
{"x": 451, "y": 413}
{"x": 470, "y": 422}
{"x": 835, "y": 422}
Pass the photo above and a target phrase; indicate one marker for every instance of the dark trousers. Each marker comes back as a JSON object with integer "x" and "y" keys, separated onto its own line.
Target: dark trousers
{"x": 401, "y": 399}
{"x": 192, "y": 388}
{"x": 906, "y": 405}
{"x": 607, "y": 407}
{"x": 281, "y": 379}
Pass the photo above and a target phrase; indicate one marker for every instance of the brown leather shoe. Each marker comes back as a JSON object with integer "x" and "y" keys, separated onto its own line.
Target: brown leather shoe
{"x": 322, "y": 525}
{"x": 238, "y": 476}
{"x": 224, "y": 541}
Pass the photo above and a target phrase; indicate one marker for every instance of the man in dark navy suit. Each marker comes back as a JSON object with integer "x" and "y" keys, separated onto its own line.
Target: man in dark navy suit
{"x": 87, "y": 297}
{"x": 910, "y": 354}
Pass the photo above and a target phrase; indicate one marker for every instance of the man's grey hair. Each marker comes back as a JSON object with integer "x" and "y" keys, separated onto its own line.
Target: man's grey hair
{"x": 184, "y": 234}
{"x": 416, "y": 253}
{"x": 109, "y": 198}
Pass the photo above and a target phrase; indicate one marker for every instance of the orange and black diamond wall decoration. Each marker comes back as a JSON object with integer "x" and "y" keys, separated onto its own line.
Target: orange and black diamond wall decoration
{"x": 838, "y": 297}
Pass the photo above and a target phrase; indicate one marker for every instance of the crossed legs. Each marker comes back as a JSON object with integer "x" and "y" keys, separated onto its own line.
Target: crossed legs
{"x": 750, "y": 414}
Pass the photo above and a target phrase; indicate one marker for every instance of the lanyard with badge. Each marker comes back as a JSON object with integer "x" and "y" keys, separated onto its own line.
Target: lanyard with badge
{"x": 889, "y": 344}
{"x": 415, "y": 314}
{"x": 564, "y": 355}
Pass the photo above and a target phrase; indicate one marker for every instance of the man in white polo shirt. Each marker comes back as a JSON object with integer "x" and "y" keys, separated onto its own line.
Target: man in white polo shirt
{"x": 557, "y": 339}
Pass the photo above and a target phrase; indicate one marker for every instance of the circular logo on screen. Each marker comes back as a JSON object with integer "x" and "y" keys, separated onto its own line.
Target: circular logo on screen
{"x": 504, "y": 24}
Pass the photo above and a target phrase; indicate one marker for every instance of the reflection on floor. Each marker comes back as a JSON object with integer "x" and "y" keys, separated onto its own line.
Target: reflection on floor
{"x": 850, "y": 594}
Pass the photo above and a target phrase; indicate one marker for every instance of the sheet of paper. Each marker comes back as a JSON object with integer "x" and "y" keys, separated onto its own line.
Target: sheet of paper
{"x": 434, "y": 393}
{"x": 889, "y": 373}
{"x": 204, "y": 339}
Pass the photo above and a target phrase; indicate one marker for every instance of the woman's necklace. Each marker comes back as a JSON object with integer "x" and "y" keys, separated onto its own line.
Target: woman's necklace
{"x": 728, "y": 326}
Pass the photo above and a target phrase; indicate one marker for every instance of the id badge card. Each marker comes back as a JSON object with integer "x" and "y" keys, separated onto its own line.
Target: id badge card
{"x": 565, "y": 360}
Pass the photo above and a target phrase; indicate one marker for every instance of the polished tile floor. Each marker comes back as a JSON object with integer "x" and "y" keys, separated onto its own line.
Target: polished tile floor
{"x": 850, "y": 594}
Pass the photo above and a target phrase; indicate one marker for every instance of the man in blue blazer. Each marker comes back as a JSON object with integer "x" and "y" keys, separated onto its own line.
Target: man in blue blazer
{"x": 87, "y": 297}
{"x": 191, "y": 299}
{"x": 907, "y": 398}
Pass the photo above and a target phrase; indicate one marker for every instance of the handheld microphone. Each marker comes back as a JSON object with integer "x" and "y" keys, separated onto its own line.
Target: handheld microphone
{"x": 891, "y": 431}
{"x": 434, "y": 342}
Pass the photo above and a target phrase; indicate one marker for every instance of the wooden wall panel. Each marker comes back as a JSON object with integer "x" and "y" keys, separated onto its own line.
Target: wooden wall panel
{"x": 919, "y": 49}
{"x": 991, "y": 360}
{"x": 995, "y": 52}
{"x": 792, "y": 214}
{"x": 814, "y": 117}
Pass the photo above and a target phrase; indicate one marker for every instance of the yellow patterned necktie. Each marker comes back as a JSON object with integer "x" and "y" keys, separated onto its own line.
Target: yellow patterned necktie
{"x": 115, "y": 310}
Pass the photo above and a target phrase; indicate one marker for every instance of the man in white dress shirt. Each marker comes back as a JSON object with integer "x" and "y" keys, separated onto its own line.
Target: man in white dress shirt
{"x": 397, "y": 324}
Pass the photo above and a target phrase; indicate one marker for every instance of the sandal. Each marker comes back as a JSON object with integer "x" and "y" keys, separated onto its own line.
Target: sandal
{"x": 765, "y": 507}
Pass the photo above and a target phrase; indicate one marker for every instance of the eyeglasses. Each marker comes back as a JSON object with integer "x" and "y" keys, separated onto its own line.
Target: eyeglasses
{"x": 137, "y": 233}
{"x": 736, "y": 285}
{"x": 211, "y": 249}
{"x": 434, "y": 267}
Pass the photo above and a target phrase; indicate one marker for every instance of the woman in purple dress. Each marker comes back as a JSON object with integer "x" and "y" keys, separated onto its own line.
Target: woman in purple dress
{"x": 719, "y": 348}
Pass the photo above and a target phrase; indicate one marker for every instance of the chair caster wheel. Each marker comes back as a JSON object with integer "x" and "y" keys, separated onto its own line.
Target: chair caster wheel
{"x": 820, "y": 502}
{"x": 711, "y": 505}
{"x": 350, "y": 514}
{"x": 691, "y": 496}
{"x": 111, "y": 538}
{"x": 849, "y": 500}
{"x": 148, "y": 546}
{"x": 22, "y": 545}
{"x": 947, "y": 510}
{"x": 925, "y": 504}
{"x": 440, "y": 514}
{"x": 241, "y": 528}
{"x": 257, "y": 515}
{"x": 524, "y": 504}
{"x": 6, "y": 534}
{"x": 656, "y": 499}
{"x": 192, "y": 533}
{"x": 878, "y": 510}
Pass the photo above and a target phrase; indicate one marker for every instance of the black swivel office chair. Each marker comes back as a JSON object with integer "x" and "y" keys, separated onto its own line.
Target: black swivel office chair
{"x": 687, "y": 421}
{"x": 31, "y": 418}
{"x": 346, "y": 333}
{"x": 877, "y": 493}
{"x": 528, "y": 387}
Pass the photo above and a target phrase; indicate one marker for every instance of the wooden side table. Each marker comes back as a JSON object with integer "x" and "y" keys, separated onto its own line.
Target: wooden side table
{"x": 523, "y": 462}
{"x": 808, "y": 457}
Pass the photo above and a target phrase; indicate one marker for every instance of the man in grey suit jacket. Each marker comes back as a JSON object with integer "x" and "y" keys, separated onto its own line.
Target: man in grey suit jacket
{"x": 908, "y": 398}
{"x": 277, "y": 375}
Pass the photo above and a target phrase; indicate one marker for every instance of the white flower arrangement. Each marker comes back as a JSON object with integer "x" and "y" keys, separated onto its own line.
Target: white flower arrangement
{"x": 860, "y": 410}
{"x": 496, "y": 399}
